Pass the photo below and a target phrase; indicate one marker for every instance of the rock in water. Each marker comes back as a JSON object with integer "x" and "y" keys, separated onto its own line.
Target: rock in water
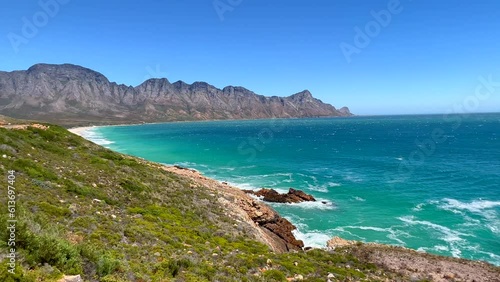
{"x": 293, "y": 196}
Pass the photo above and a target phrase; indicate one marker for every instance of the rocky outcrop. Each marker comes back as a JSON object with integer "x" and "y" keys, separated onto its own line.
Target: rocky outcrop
{"x": 73, "y": 95}
{"x": 337, "y": 242}
{"x": 272, "y": 222}
{"x": 293, "y": 196}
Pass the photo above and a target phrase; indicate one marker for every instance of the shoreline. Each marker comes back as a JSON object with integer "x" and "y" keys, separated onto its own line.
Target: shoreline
{"x": 81, "y": 130}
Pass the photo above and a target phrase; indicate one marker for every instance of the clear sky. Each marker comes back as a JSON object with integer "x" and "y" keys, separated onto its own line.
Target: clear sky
{"x": 375, "y": 56}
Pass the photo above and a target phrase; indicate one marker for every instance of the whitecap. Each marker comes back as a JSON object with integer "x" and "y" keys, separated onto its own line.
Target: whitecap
{"x": 243, "y": 186}
{"x": 319, "y": 205}
{"x": 483, "y": 208}
{"x": 333, "y": 184}
{"x": 393, "y": 234}
{"x": 476, "y": 206}
{"x": 450, "y": 235}
{"x": 419, "y": 207}
{"x": 312, "y": 239}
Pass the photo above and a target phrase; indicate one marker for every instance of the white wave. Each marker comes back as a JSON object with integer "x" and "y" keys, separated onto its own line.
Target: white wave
{"x": 453, "y": 238}
{"x": 96, "y": 137}
{"x": 321, "y": 189}
{"x": 441, "y": 248}
{"x": 495, "y": 258}
{"x": 312, "y": 239}
{"x": 494, "y": 227}
{"x": 483, "y": 208}
{"x": 419, "y": 207}
{"x": 393, "y": 234}
{"x": 228, "y": 168}
{"x": 352, "y": 235}
{"x": 437, "y": 248}
{"x": 476, "y": 206}
{"x": 324, "y": 188}
{"x": 359, "y": 199}
{"x": 449, "y": 235}
{"x": 243, "y": 186}
{"x": 319, "y": 205}
{"x": 333, "y": 184}
{"x": 353, "y": 178}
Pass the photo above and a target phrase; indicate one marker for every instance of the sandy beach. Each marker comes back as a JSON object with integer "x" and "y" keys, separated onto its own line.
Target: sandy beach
{"x": 80, "y": 130}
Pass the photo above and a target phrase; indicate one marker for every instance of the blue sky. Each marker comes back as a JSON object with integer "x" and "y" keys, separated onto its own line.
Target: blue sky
{"x": 417, "y": 57}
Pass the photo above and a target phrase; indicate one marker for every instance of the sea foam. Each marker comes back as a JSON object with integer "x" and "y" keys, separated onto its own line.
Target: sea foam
{"x": 92, "y": 135}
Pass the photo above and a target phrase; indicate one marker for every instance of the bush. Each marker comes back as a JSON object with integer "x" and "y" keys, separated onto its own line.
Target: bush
{"x": 106, "y": 265}
{"x": 274, "y": 275}
{"x": 53, "y": 210}
{"x": 132, "y": 186}
{"x": 33, "y": 169}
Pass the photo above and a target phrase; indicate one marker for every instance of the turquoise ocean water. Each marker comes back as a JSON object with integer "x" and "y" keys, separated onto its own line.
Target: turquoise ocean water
{"x": 431, "y": 183}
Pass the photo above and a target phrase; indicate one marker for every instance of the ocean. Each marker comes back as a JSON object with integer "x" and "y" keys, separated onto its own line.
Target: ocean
{"x": 427, "y": 182}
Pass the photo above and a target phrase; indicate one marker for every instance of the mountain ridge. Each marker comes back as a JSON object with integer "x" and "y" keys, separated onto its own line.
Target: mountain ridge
{"x": 74, "y": 95}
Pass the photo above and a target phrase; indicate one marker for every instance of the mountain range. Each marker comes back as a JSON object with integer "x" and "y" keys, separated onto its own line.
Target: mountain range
{"x": 73, "y": 95}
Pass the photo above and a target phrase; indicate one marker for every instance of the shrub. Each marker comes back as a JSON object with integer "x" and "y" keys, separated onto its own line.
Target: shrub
{"x": 274, "y": 275}
{"x": 132, "y": 186}
{"x": 53, "y": 210}
{"x": 106, "y": 265}
{"x": 33, "y": 169}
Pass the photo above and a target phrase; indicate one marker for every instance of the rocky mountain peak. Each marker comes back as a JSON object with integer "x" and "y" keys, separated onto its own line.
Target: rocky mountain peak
{"x": 304, "y": 96}
{"x": 66, "y": 71}
{"x": 71, "y": 94}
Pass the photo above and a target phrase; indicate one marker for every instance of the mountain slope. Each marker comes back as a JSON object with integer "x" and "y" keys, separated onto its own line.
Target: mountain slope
{"x": 70, "y": 94}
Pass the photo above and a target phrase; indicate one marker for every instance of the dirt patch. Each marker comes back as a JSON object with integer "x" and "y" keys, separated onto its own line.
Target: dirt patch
{"x": 422, "y": 266}
{"x": 24, "y": 126}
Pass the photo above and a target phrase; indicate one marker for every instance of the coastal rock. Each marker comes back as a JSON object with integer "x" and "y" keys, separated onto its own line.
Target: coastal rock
{"x": 272, "y": 223}
{"x": 283, "y": 228}
{"x": 336, "y": 242}
{"x": 293, "y": 196}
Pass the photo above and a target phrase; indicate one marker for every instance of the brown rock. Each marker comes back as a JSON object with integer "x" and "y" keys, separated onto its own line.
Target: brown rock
{"x": 293, "y": 196}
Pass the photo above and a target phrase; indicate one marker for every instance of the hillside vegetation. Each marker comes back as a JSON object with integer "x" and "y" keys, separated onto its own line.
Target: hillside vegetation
{"x": 85, "y": 210}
